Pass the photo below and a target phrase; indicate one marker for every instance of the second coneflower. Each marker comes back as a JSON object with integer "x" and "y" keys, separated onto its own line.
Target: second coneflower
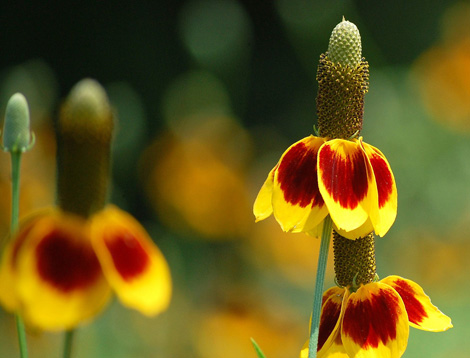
{"x": 335, "y": 174}
{"x": 63, "y": 264}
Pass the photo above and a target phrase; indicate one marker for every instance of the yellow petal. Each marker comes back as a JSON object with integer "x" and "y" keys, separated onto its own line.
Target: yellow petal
{"x": 59, "y": 279}
{"x": 346, "y": 182}
{"x": 386, "y": 188}
{"x": 263, "y": 207}
{"x": 375, "y": 323}
{"x": 297, "y": 203}
{"x": 422, "y": 313}
{"x": 133, "y": 265}
{"x": 356, "y": 233}
{"x": 8, "y": 295}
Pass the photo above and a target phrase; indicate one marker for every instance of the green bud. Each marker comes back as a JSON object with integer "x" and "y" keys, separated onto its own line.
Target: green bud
{"x": 345, "y": 45}
{"x": 16, "y": 132}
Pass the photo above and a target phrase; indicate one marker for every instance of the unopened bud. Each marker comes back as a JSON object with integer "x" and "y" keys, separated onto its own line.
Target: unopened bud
{"x": 16, "y": 132}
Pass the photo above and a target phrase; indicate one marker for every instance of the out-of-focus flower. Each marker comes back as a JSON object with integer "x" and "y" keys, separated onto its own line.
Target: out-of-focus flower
{"x": 225, "y": 331}
{"x": 443, "y": 72}
{"x": 60, "y": 269}
{"x": 374, "y": 320}
{"x": 61, "y": 266}
{"x": 197, "y": 184}
{"x": 279, "y": 254}
{"x": 348, "y": 179}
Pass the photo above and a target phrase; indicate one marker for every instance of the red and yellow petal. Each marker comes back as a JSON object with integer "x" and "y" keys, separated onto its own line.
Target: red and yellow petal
{"x": 386, "y": 188}
{"x": 375, "y": 323}
{"x": 330, "y": 321}
{"x": 422, "y": 313}
{"x": 297, "y": 203}
{"x": 133, "y": 265}
{"x": 59, "y": 282}
{"x": 263, "y": 206}
{"x": 347, "y": 184}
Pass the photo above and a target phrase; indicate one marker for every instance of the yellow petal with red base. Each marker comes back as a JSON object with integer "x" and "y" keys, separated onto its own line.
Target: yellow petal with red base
{"x": 375, "y": 323}
{"x": 330, "y": 321}
{"x": 422, "y": 313}
{"x": 297, "y": 203}
{"x": 133, "y": 265}
{"x": 332, "y": 311}
{"x": 263, "y": 206}
{"x": 347, "y": 184}
{"x": 59, "y": 282}
{"x": 386, "y": 188}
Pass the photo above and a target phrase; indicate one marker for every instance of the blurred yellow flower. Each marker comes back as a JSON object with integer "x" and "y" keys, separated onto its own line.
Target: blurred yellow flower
{"x": 226, "y": 331}
{"x": 197, "y": 184}
{"x": 60, "y": 268}
{"x": 443, "y": 72}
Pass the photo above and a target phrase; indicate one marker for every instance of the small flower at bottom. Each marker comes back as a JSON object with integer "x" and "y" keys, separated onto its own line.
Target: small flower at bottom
{"x": 348, "y": 179}
{"x": 56, "y": 274}
{"x": 374, "y": 321}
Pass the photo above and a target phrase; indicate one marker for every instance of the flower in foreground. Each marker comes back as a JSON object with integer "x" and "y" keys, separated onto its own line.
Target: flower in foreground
{"x": 61, "y": 268}
{"x": 374, "y": 321}
{"x": 348, "y": 179}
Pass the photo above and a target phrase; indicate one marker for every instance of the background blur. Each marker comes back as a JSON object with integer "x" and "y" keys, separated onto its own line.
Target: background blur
{"x": 208, "y": 94}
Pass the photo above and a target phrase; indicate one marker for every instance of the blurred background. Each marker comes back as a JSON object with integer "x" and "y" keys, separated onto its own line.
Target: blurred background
{"x": 208, "y": 94}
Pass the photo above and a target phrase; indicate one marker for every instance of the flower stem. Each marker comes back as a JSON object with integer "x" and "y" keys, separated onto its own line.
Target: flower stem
{"x": 15, "y": 208}
{"x": 317, "y": 299}
{"x": 68, "y": 340}
{"x": 258, "y": 350}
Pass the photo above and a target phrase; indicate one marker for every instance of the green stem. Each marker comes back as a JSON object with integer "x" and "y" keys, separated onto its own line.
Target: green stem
{"x": 21, "y": 336}
{"x": 318, "y": 296}
{"x": 15, "y": 209}
{"x": 15, "y": 188}
{"x": 258, "y": 350}
{"x": 68, "y": 340}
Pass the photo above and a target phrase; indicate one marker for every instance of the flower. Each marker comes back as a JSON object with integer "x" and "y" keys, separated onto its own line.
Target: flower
{"x": 374, "y": 321}
{"x": 348, "y": 179}
{"x": 60, "y": 268}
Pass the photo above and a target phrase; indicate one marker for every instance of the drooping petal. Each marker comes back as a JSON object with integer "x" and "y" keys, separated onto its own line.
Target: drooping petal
{"x": 132, "y": 263}
{"x": 330, "y": 321}
{"x": 297, "y": 203}
{"x": 375, "y": 323}
{"x": 422, "y": 313}
{"x": 386, "y": 188}
{"x": 263, "y": 206}
{"x": 346, "y": 182}
{"x": 59, "y": 279}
